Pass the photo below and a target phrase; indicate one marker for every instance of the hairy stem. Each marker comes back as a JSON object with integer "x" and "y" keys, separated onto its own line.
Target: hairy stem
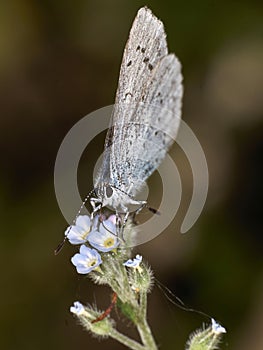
{"x": 123, "y": 339}
{"x": 146, "y": 335}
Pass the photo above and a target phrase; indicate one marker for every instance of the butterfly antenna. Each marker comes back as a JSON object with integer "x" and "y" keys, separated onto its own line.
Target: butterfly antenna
{"x": 153, "y": 210}
{"x": 61, "y": 244}
{"x": 113, "y": 233}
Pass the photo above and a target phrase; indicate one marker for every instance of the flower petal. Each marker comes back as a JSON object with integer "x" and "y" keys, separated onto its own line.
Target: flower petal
{"x": 84, "y": 222}
{"x": 77, "y": 308}
{"x": 87, "y": 260}
{"x": 108, "y": 226}
{"x": 103, "y": 241}
{"x": 217, "y": 328}
{"x": 135, "y": 263}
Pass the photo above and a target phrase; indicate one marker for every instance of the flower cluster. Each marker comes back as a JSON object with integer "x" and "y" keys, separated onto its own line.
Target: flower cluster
{"x": 129, "y": 279}
{"x": 91, "y": 234}
{"x": 95, "y": 238}
{"x": 107, "y": 260}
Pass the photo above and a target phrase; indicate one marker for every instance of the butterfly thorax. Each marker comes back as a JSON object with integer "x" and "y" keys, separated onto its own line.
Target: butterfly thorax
{"x": 116, "y": 199}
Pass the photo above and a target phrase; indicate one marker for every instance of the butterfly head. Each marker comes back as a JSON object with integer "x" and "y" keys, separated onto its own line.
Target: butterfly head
{"x": 115, "y": 198}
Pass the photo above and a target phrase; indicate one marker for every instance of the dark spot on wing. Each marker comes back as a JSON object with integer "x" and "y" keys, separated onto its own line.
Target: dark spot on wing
{"x": 129, "y": 63}
{"x": 108, "y": 141}
{"x": 143, "y": 50}
{"x": 127, "y": 94}
{"x": 146, "y": 59}
{"x": 138, "y": 48}
{"x": 150, "y": 66}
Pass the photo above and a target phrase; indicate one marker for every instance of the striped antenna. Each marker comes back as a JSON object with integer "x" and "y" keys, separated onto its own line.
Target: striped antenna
{"x": 61, "y": 244}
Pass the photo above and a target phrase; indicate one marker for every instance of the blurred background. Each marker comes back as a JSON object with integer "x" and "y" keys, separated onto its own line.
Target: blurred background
{"x": 59, "y": 60}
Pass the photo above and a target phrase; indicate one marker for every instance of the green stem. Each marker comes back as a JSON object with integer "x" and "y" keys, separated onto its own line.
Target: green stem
{"x": 143, "y": 304}
{"x": 123, "y": 339}
{"x": 146, "y": 335}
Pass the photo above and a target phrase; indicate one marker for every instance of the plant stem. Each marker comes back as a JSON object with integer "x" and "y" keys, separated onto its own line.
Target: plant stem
{"x": 143, "y": 304}
{"x": 146, "y": 335}
{"x": 123, "y": 339}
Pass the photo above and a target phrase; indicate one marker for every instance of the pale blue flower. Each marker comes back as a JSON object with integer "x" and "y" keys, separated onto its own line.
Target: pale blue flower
{"x": 78, "y": 233}
{"x": 77, "y": 308}
{"x": 217, "y": 328}
{"x": 109, "y": 225}
{"x": 112, "y": 219}
{"x": 105, "y": 239}
{"x": 86, "y": 260}
{"x": 135, "y": 263}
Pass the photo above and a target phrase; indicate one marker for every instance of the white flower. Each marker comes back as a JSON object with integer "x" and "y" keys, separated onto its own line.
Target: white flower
{"x": 217, "y": 328}
{"x": 86, "y": 260}
{"x": 78, "y": 233}
{"x": 105, "y": 239}
{"x": 135, "y": 263}
{"x": 112, "y": 219}
{"x": 77, "y": 308}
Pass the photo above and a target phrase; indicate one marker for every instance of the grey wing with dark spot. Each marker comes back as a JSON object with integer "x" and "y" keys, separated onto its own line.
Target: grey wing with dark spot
{"x": 145, "y": 48}
{"x": 153, "y": 127}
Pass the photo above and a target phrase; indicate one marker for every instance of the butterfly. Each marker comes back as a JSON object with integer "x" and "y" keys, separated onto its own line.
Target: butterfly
{"x": 144, "y": 122}
{"x": 145, "y": 118}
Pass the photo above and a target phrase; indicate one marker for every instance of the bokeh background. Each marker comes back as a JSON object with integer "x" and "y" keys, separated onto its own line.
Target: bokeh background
{"x": 59, "y": 60}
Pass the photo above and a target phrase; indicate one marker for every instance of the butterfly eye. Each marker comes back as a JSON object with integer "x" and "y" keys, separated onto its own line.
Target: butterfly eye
{"x": 109, "y": 191}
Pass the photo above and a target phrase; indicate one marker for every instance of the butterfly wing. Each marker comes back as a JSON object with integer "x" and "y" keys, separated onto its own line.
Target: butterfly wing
{"x": 147, "y": 107}
{"x": 145, "y": 47}
{"x": 150, "y": 132}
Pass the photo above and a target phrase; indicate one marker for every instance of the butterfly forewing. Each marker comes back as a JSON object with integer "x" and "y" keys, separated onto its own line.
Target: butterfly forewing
{"x": 144, "y": 49}
{"x": 153, "y": 128}
{"x": 147, "y": 108}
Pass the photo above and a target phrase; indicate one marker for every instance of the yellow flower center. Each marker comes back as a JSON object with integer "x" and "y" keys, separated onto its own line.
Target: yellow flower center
{"x": 109, "y": 242}
{"x": 92, "y": 262}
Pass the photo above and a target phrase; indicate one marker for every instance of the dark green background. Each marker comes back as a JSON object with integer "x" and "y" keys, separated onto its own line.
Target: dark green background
{"x": 59, "y": 60}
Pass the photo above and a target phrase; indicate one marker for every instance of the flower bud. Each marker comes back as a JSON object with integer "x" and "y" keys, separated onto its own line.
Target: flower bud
{"x": 87, "y": 315}
{"x": 206, "y": 339}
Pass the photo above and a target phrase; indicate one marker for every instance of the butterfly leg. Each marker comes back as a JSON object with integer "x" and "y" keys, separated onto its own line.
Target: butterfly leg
{"x": 136, "y": 212}
{"x": 125, "y": 219}
{"x": 96, "y": 206}
{"x": 118, "y": 224}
